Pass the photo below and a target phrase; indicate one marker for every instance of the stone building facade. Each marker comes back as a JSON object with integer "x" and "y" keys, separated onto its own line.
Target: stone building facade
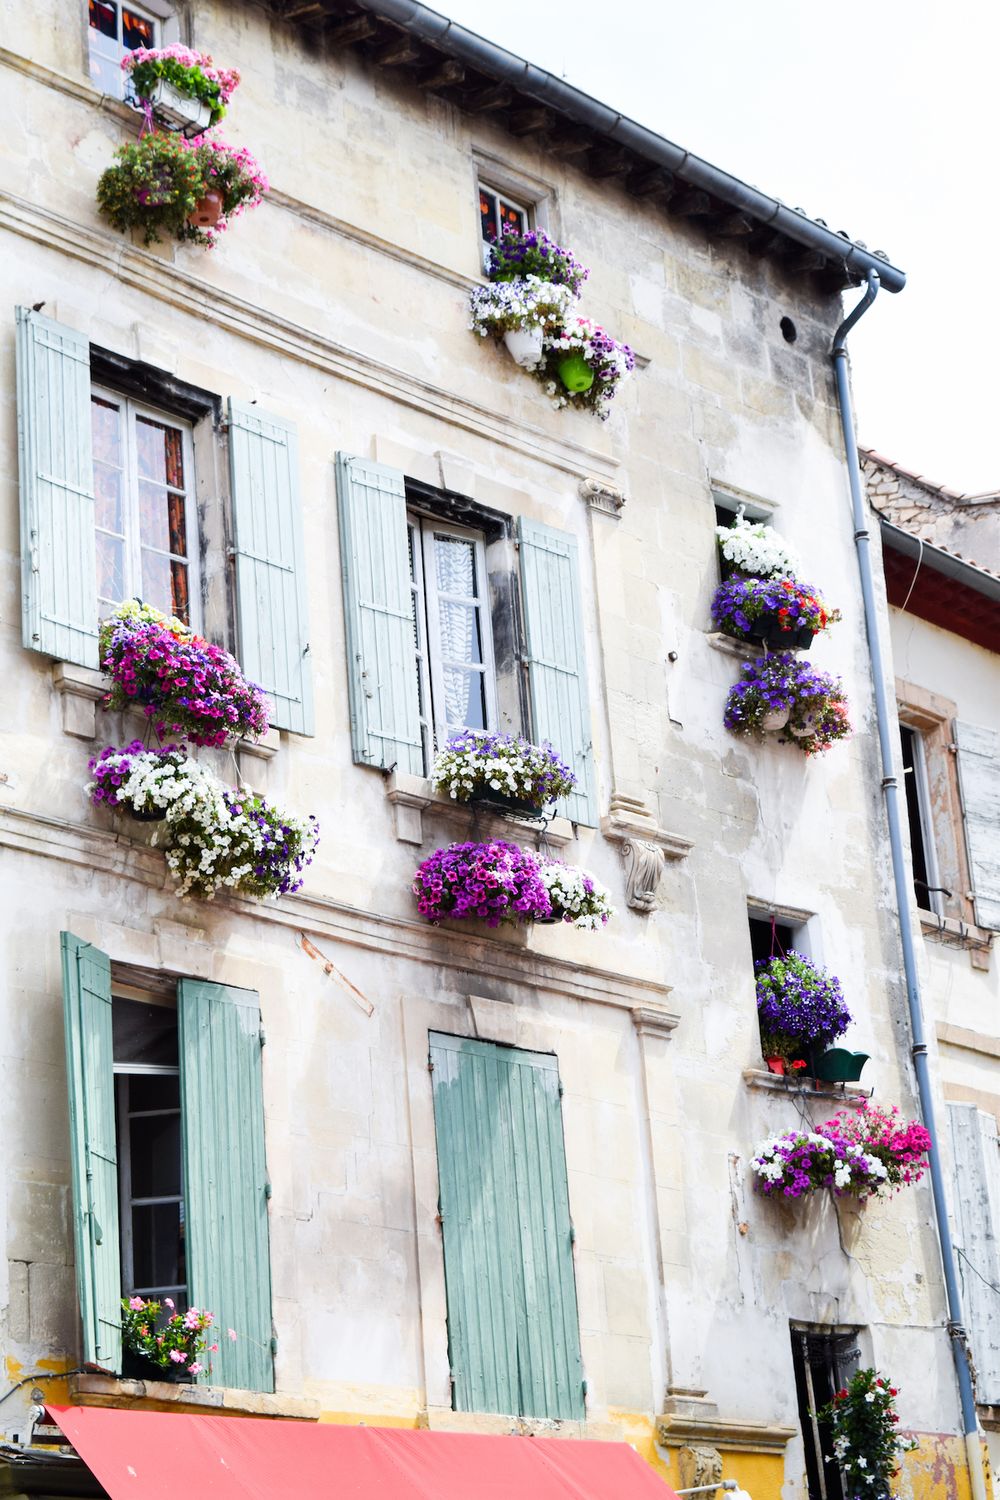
{"x": 330, "y": 329}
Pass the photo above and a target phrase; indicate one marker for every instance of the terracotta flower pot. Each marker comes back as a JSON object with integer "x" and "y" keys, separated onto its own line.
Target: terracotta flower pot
{"x": 776, "y": 1065}
{"x": 207, "y": 211}
{"x": 575, "y": 374}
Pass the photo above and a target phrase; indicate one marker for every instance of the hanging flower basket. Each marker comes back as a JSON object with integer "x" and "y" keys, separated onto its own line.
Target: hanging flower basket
{"x": 799, "y": 1006}
{"x": 135, "y": 780}
{"x": 780, "y": 612}
{"x": 796, "y": 1164}
{"x": 576, "y": 896}
{"x": 497, "y": 882}
{"x": 519, "y": 312}
{"x": 157, "y": 182}
{"x": 815, "y": 703}
{"x": 902, "y": 1146}
{"x": 584, "y": 366}
{"x": 184, "y": 89}
{"x": 532, "y": 253}
{"x": 502, "y": 771}
{"x": 183, "y": 684}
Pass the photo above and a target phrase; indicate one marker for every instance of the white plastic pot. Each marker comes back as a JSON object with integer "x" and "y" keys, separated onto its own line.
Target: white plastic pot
{"x": 524, "y": 345}
{"x": 777, "y": 719}
{"x": 179, "y": 111}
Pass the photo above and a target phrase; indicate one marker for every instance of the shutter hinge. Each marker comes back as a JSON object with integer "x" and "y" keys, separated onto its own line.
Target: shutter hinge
{"x": 560, "y": 1088}
{"x": 439, "y": 1218}
{"x": 274, "y": 1346}
{"x": 583, "y": 1386}
{"x": 263, "y": 1036}
{"x": 430, "y": 1066}
{"x": 268, "y": 1189}
{"x": 572, "y": 1234}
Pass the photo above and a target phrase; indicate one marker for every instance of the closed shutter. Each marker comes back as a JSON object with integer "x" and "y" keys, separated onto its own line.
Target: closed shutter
{"x": 979, "y": 780}
{"x": 90, "y": 1073}
{"x": 55, "y": 458}
{"x": 225, "y": 1176}
{"x": 271, "y": 606}
{"x": 976, "y": 1193}
{"x": 557, "y": 664}
{"x": 513, "y": 1330}
{"x": 378, "y": 608}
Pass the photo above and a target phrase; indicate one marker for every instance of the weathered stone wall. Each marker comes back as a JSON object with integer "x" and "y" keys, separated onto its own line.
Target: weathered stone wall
{"x": 341, "y": 304}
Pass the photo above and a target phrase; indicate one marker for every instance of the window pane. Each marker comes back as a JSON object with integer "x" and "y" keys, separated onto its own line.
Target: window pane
{"x": 110, "y": 568}
{"x": 464, "y": 699}
{"x": 158, "y": 1245}
{"x": 488, "y": 214}
{"x": 136, "y": 31}
{"x": 511, "y": 217}
{"x": 460, "y": 634}
{"x": 155, "y": 1143}
{"x": 144, "y": 1033}
{"x": 162, "y": 519}
{"x": 180, "y": 601}
{"x": 105, "y": 423}
{"x": 108, "y": 494}
{"x": 160, "y": 452}
{"x": 104, "y": 17}
{"x": 455, "y": 564}
{"x": 157, "y": 584}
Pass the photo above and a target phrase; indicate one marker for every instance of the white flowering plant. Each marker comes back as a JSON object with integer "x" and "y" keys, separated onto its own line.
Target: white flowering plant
{"x": 476, "y": 764}
{"x": 756, "y": 549}
{"x": 796, "y": 1164}
{"x": 863, "y": 1422}
{"x": 576, "y": 896}
{"x": 610, "y": 361}
{"x": 517, "y": 306}
{"x": 212, "y": 835}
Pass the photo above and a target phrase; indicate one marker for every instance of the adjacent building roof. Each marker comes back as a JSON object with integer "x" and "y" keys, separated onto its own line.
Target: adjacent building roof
{"x": 930, "y": 581}
{"x": 444, "y": 58}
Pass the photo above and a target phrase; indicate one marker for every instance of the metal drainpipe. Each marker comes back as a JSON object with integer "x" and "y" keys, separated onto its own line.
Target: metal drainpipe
{"x": 886, "y": 725}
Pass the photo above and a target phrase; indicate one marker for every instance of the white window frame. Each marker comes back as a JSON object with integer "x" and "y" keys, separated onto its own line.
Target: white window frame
{"x": 130, "y": 410}
{"x": 484, "y": 185}
{"x": 934, "y": 897}
{"x": 155, "y": 15}
{"x": 430, "y": 661}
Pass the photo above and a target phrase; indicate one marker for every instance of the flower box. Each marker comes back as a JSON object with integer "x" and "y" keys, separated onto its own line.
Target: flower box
{"x": 838, "y": 1065}
{"x": 502, "y": 771}
{"x": 180, "y": 111}
{"x": 498, "y": 802}
{"x": 814, "y": 703}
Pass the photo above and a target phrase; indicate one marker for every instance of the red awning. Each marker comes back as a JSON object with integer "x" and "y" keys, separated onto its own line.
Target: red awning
{"x": 151, "y": 1455}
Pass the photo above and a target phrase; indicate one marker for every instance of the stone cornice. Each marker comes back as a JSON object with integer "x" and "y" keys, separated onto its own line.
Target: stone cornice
{"x": 744, "y": 1437}
{"x": 111, "y": 853}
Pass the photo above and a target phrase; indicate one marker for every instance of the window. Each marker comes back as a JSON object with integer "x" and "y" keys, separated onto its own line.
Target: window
{"x": 147, "y": 529}
{"x": 513, "y": 1329}
{"x": 114, "y": 30}
{"x": 148, "y": 1109}
{"x": 169, "y": 1176}
{"x": 770, "y": 938}
{"x": 926, "y": 881}
{"x": 823, "y": 1360}
{"x": 451, "y": 629}
{"x": 498, "y": 212}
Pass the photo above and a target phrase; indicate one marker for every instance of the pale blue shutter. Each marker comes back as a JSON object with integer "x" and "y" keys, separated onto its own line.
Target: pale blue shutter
{"x": 378, "y": 609}
{"x": 58, "y": 546}
{"x": 90, "y": 1073}
{"x": 225, "y": 1176}
{"x": 513, "y": 1327}
{"x": 979, "y": 781}
{"x": 271, "y": 605}
{"x": 557, "y": 663}
{"x": 976, "y": 1205}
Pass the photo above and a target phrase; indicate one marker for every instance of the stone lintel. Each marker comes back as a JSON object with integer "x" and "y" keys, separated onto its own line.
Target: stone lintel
{"x": 675, "y": 1430}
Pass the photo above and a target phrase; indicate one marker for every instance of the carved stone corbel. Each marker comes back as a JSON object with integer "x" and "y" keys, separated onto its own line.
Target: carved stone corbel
{"x": 645, "y": 848}
{"x": 699, "y": 1466}
{"x": 602, "y": 496}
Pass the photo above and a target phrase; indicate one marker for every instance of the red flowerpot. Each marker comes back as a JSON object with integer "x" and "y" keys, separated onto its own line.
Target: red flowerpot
{"x": 776, "y": 1065}
{"x": 207, "y": 211}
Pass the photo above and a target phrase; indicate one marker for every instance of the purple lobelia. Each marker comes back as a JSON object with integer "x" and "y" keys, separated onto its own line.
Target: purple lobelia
{"x": 475, "y": 763}
{"x": 532, "y": 252}
{"x": 497, "y": 882}
{"x": 814, "y": 701}
{"x": 799, "y": 1005}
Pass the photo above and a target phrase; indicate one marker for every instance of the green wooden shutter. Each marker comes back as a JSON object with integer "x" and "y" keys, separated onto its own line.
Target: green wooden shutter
{"x": 557, "y": 663}
{"x": 513, "y": 1329}
{"x": 89, "y": 1069}
{"x": 225, "y": 1176}
{"x": 548, "y": 1335}
{"x": 378, "y": 607}
{"x": 979, "y": 780}
{"x": 58, "y": 546}
{"x": 271, "y": 606}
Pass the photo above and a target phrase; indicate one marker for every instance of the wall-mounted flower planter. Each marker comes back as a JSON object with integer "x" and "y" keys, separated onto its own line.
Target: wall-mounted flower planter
{"x": 207, "y": 211}
{"x": 838, "y": 1065}
{"x": 524, "y": 345}
{"x": 177, "y": 110}
{"x": 575, "y": 374}
{"x": 497, "y": 802}
{"x": 502, "y": 771}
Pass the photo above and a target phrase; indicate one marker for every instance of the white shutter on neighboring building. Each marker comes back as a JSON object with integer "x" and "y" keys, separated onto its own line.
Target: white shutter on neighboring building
{"x": 979, "y": 780}
{"x": 976, "y": 1202}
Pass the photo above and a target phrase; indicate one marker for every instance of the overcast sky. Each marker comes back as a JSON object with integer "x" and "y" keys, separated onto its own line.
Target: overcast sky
{"x": 885, "y": 127}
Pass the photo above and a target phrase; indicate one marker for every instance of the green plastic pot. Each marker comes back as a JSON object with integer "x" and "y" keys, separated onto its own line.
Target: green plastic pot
{"x": 839, "y": 1066}
{"x": 575, "y": 374}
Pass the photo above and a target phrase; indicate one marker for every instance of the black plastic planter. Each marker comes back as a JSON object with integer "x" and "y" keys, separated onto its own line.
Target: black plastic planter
{"x": 139, "y": 1367}
{"x": 499, "y": 802}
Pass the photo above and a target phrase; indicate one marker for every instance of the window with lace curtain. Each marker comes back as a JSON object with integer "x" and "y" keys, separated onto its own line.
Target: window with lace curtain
{"x": 456, "y": 675}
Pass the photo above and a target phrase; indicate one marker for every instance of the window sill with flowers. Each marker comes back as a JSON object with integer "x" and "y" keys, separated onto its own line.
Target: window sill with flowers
{"x": 164, "y": 1395}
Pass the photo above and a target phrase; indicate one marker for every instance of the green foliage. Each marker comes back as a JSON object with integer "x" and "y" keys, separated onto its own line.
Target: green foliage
{"x": 153, "y": 185}
{"x": 866, "y": 1444}
{"x": 184, "y": 78}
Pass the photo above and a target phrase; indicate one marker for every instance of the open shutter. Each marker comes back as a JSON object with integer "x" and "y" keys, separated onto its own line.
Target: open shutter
{"x": 378, "y": 606}
{"x": 979, "y": 781}
{"x": 513, "y": 1328}
{"x": 225, "y": 1176}
{"x": 557, "y": 664}
{"x": 976, "y": 1194}
{"x": 548, "y": 1336}
{"x": 89, "y": 1069}
{"x": 58, "y": 546}
{"x": 271, "y": 606}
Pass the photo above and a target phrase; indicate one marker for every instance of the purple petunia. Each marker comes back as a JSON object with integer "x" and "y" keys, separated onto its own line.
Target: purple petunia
{"x": 497, "y": 882}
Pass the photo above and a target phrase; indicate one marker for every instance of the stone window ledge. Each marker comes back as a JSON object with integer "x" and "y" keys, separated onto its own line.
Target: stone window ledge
{"x": 413, "y": 796}
{"x": 730, "y": 646}
{"x": 81, "y": 689}
{"x": 849, "y": 1094}
{"x": 163, "y": 1395}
